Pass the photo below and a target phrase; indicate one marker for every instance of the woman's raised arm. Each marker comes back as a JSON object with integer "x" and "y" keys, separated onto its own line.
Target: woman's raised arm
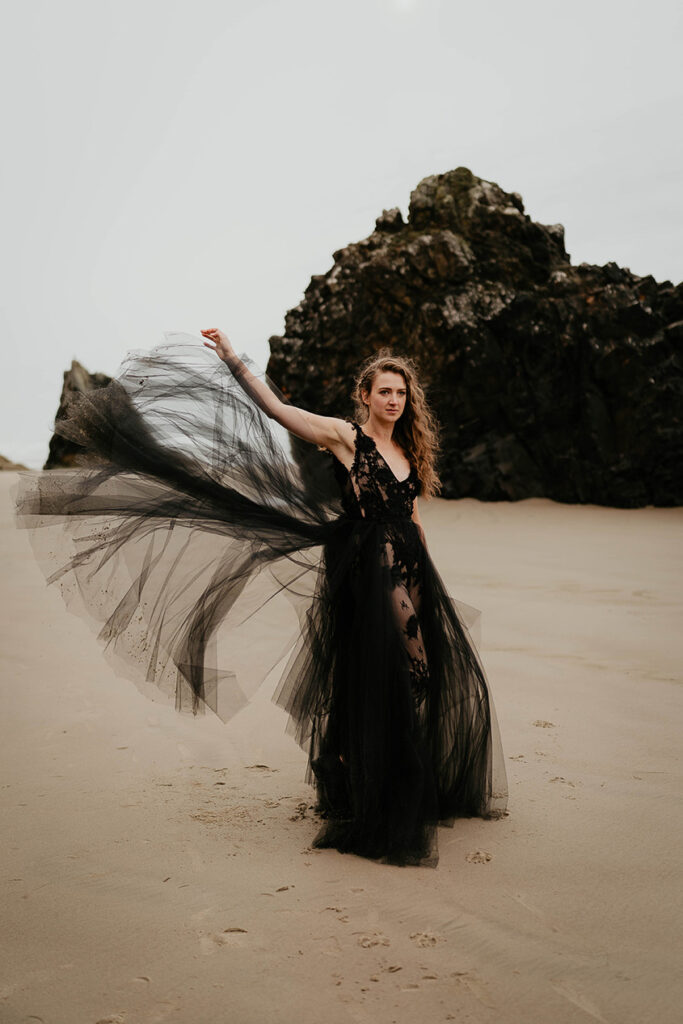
{"x": 326, "y": 431}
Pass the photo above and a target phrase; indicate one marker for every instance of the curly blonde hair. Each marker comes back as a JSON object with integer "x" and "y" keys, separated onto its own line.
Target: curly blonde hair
{"x": 416, "y": 430}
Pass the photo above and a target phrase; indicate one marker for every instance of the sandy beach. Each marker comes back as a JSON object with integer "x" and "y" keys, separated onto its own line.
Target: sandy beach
{"x": 157, "y": 867}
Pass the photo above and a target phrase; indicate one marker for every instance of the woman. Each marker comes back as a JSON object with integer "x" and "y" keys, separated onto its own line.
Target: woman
{"x": 192, "y": 517}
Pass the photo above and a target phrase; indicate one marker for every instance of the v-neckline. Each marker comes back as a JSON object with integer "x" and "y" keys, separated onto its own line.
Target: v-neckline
{"x": 410, "y": 471}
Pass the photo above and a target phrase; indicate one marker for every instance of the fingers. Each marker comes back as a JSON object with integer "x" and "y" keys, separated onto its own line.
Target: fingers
{"x": 217, "y": 342}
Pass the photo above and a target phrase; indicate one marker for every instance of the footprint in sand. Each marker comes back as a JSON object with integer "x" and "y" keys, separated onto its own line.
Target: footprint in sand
{"x": 542, "y": 724}
{"x": 479, "y": 857}
{"x": 214, "y": 940}
{"x": 339, "y": 911}
{"x": 373, "y": 939}
{"x": 424, "y": 939}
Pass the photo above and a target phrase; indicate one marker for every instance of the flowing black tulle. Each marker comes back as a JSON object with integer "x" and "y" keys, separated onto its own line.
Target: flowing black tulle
{"x": 188, "y": 520}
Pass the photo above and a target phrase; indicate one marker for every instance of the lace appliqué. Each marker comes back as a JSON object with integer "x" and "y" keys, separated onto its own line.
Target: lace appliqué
{"x": 371, "y": 490}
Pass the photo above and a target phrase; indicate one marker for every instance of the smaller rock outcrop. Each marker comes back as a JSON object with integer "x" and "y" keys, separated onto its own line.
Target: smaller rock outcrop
{"x": 77, "y": 380}
{"x": 9, "y": 465}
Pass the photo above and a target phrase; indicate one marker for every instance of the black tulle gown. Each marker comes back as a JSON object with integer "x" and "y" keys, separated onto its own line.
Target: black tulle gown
{"x": 190, "y": 519}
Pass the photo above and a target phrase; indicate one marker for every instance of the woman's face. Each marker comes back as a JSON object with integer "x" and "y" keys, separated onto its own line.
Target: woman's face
{"x": 387, "y": 399}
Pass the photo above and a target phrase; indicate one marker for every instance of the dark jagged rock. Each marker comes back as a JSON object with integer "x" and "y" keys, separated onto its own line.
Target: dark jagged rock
{"x": 62, "y": 452}
{"x": 548, "y": 379}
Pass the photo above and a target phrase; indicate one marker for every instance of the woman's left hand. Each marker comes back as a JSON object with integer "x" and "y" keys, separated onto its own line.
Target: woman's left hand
{"x": 218, "y": 342}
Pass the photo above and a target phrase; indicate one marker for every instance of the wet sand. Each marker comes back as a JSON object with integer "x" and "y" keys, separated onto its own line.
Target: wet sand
{"x": 157, "y": 867}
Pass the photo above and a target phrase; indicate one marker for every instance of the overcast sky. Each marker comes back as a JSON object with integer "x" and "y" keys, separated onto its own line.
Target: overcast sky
{"x": 170, "y": 165}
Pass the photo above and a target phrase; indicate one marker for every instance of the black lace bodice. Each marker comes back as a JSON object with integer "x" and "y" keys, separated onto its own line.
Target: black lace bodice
{"x": 370, "y": 489}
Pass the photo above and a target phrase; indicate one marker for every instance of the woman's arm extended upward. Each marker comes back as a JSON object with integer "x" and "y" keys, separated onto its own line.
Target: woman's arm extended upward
{"x": 326, "y": 431}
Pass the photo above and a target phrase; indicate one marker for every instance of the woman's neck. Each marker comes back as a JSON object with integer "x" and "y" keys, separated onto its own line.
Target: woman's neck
{"x": 379, "y": 431}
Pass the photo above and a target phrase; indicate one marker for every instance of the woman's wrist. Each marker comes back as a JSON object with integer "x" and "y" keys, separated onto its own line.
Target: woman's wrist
{"x": 230, "y": 358}
{"x": 235, "y": 365}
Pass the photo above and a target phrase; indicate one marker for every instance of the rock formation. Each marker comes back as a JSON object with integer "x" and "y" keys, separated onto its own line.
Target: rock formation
{"x": 548, "y": 379}
{"x": 76, "y": 379}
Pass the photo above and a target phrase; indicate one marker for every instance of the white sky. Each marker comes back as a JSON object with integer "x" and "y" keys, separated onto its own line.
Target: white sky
{"x": 170, "y": 165}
